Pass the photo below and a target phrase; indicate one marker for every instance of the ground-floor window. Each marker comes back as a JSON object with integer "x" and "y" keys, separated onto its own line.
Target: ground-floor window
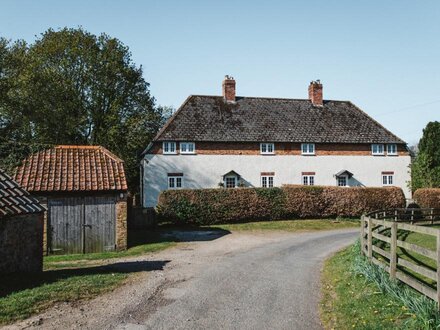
{"x": 387, "y": 178}
{"x": 267, "y": 181}
{"x": 308, "y": 180}
{"x": 175, "y": 181}
{"x": 230, "y": 182}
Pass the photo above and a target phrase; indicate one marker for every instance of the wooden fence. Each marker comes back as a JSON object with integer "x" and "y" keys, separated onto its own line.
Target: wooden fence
{"x": 384, "y": 226}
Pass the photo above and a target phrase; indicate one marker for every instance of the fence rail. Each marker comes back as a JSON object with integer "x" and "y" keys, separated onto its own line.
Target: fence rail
{"x": 380, "y": 243}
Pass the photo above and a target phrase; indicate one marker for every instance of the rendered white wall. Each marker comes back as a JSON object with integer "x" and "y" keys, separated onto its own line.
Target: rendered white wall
{"x": 205, "y": 171}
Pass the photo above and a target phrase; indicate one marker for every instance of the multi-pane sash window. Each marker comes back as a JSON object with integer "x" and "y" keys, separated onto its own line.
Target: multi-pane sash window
{"x": 377, "y": 149}
{"x": 308, "y": 180}
{"x": 342, "y": 181}
{"x": 391, "y": 149}
{"x": 267, "y": 181}
{"x": 267, "y": 148}
{"x": 169, "y": 148}
{"x": 230, "y": 182}
{"x": 175, "y": 182}
{"x": 187, "y": 147}
{"x": 308, "y": 148}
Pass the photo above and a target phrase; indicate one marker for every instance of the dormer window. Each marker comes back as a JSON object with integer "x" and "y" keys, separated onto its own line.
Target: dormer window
{"x": 377, "y": 149}
{"x": 267, "y": 148}
{"x": 169, "y": 148}
{"x": 187, "y": 148}
{"x": 308, "y": 149}
{"x": 391, "y": 149}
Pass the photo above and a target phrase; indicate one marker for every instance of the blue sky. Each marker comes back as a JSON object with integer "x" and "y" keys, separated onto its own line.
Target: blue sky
{"x": 382, "y": 55}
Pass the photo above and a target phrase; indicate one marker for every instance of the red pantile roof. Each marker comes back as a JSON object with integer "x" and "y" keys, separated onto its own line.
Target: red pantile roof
{"x": 72, "y": 168}
{"x": 14, "y": 200}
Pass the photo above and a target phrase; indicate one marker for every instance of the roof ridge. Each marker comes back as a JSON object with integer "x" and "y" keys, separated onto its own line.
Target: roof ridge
{"x": 268, "y": 98}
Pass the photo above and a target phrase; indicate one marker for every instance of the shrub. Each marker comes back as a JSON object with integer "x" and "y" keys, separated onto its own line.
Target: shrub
{"x": 210, "y": 206}
{"x": 427, "y": 197}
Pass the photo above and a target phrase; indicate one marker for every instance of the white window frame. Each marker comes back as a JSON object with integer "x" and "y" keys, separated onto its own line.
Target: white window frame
{"x": 340, "y": 177}
{"x": 308, "y": 180}
{"x": 386, "y": 180}
{"x": 169, "y": 148}
{"x": 377, "y": 152}
{"x": 187, "y": 148}
{"x": 308, "y": 149}
{"x": 175, "y": 180}
{"x": 231, "y": 177}
{"x": 393, "y": 152}
{"x": 266, "y": 181}
{"x": 267, "y": 148}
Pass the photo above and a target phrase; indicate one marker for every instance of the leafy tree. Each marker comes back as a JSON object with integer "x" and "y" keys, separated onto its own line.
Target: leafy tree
{"x": 73, "y": 87}
{"x": 425, "y": 169}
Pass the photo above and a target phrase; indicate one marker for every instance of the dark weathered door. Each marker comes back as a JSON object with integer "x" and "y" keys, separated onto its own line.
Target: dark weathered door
{"x": 99, "y": 226}
{"x": 81, "y": 224}
{"x": 65, "y": 220}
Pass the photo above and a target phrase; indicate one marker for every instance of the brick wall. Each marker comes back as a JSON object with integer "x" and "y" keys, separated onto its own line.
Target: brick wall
{"x": 21, "y": 243}
{"x": 253, "y": 148}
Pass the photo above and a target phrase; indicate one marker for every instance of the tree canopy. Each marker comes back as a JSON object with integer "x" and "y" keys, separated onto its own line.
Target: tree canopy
{"x": 73, "y": 87}
{"x": 425, "y": 169}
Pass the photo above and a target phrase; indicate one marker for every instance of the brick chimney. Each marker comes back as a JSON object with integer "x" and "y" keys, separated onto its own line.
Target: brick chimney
{"x": 315, "y": 93}
{"x": 228, "y": 87}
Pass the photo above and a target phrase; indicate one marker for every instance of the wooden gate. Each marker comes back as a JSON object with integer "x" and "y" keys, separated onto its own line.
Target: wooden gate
{"x": 81, "y": 224}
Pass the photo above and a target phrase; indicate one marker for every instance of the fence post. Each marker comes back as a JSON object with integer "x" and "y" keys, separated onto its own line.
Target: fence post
{"x": 438, "y": 269}
{"x": 393, "y": 251}
{"x": 370, "y": 238}
{"x": 362, "y": 234}
{"x": 395, "y": 215}
{"x": 412, "y": 216}
{"x": 432, "y": 216}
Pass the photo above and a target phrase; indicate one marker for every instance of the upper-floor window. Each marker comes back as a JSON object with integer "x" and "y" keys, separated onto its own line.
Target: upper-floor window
{"x": 377, "y": 149}
{"x": 308, "y": 148}
{"x": 267, "y": 181}
{"x": 342, "y": 181}
{"x": 267, "y": 148}
{"x": 175, "y": 182}
{"x": 391, "y": 149}
{"x": 187, "y": 147}
{"x": 169, "y": 148}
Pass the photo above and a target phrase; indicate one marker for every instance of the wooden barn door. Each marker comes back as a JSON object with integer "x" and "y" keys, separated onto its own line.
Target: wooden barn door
{"x": 81, "y": 224}
{"x": 99, "y": 226}
{"x": 66, "y": 217}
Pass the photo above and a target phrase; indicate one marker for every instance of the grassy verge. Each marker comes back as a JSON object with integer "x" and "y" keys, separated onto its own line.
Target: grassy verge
{"x": 359, "y": 295}
{"x": 70, "y": 278}
{"x": 291, "y": 225}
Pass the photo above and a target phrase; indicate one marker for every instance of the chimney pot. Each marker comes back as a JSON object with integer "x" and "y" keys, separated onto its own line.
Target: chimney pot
{"x": 228, "y": 87}
{"x": 315, "y": 93}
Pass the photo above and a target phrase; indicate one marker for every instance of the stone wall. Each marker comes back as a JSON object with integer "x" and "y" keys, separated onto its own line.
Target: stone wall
{"x": 21, "y": 243}
{"x": 121, "y": 224}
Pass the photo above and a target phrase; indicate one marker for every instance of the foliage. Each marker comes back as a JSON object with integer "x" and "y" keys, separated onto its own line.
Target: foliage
{"x": 211, "y": 206}
{"x": 73, "y": 87}
{"x": 357, "y": 294}
{"x": 425, "y": 170}
{"x": 428, "y": 197}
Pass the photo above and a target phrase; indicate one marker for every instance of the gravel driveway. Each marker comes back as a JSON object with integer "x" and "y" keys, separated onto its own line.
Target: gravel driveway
{"x": 265, "y": 280}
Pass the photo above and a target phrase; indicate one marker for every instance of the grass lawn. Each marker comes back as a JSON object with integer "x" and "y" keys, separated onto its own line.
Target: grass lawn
{"x": 69, "y": 278}
{"x": 291, "y": 225}
{"x": 349, "y": 302}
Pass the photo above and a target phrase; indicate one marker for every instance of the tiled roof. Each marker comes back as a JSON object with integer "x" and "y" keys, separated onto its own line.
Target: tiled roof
{"x": 253, "y": 119}
{"x": 72, "y": 168}
{"x": 14, "y": 200}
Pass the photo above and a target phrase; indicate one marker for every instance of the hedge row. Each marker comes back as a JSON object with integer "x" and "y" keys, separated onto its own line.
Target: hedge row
{"x": 427, "y": 197}
{"x": 210, "y": 206}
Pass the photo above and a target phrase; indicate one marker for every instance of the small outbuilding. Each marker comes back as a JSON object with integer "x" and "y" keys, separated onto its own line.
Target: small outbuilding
{"x": 21, "y": 229}
{"x": 85, "y": 192}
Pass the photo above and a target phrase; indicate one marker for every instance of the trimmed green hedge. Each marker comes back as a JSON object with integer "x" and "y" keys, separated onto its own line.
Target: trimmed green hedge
{"x": 210, "y": 206}
{"x": 427, "y": 197}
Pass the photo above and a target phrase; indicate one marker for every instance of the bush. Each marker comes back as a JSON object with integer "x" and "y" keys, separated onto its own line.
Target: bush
{"x": 210, "y": 206}
{"x": 427, "y": 197}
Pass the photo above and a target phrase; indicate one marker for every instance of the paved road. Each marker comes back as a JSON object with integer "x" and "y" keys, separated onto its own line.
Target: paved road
{"x": 272, "y": 286}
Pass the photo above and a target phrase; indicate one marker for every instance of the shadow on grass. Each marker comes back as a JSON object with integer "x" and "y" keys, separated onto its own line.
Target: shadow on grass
{"x": 17, "y": 282}
{"x": 173, "y": 233}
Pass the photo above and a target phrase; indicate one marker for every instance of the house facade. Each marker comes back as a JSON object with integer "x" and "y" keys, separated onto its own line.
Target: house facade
{"x": 85, "y": 192}
{"x": 231, "y": 141}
